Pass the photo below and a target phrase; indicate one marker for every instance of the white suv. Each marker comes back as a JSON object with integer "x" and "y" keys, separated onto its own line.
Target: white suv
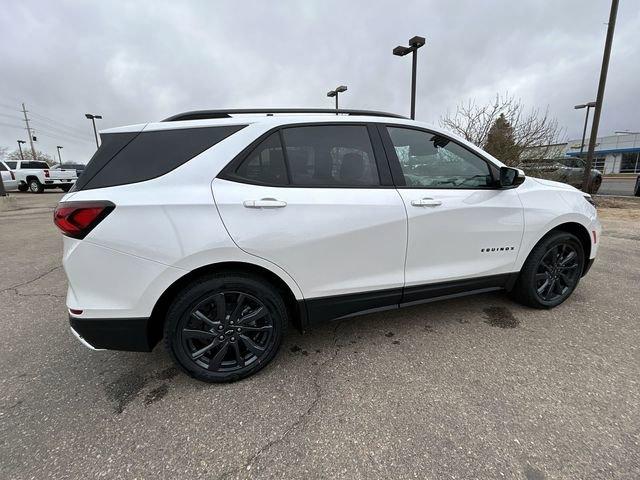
{"x": 214, "y": 229}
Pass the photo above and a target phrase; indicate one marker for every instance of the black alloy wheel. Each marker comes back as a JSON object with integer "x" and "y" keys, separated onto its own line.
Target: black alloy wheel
{"x": 558, "y": 272}
{"x": 227, "y": 331}
{"x": 223, "y": 328}
{"x": 551, "y": 272}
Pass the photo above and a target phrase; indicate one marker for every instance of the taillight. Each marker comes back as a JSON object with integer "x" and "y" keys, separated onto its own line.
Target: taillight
{"x": 46, "y": 173}
{"x": 77, "y": 219}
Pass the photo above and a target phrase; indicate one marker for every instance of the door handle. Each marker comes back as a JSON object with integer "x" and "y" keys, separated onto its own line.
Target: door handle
{"x": 426, "y": 202}
{"x": 265, "y": 203}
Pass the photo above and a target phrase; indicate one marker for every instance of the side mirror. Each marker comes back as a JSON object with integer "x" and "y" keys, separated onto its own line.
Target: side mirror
{"x": 511, "y": 177}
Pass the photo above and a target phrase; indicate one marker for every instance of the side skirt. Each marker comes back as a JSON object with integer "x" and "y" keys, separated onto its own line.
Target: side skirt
{"x": 349, "y": 305}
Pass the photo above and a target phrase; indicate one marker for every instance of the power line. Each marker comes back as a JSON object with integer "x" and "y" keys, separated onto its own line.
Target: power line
{"x": 59, "y": 131}
{"x": 57, "y": 123}
{"x": 11, "y": 126}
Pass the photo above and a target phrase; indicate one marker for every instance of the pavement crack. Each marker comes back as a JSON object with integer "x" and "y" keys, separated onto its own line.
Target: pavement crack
{"x": 15, "y": 288}
{"x": 300, "y": 421}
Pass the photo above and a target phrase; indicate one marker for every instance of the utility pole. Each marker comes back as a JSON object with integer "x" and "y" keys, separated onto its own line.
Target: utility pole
{"x": 20, "y": 142}
{"x": 599, "y": 98}
{"x": 59, "y": 156}
{"x": 26, "y": 120}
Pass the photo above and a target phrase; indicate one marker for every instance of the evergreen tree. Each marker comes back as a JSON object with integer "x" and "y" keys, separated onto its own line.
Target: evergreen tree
{"x": 501, "y": 141}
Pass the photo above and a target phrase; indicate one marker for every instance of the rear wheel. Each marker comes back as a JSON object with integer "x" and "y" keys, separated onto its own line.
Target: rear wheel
{"x": 35, "y": 186}
{"x": 65, "y": 188}
{"x": 551, "y": 272}
{"x": 222, "y": 328}
{"x": 23, "y": 187}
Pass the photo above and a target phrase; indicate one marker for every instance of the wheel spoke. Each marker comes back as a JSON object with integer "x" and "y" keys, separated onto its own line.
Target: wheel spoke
{"x": 253, "y": 347}
{"x": 236, "y": 352}
{"x": 239, "y": 306}
{"x": 550, "y": 288}
{"x": 198, "y": 353}
{"x": 542, "y": 288}
{"x": 250, "y": 328}
{"x": 188, "y": 334}
{"x": 571, "y": 256}
{"x": 569, "y": 267}
{"x": 255, "y": 315}
{"x": 221, "y": 307}
{"x": 203, "y": 318}
{"x": 540, "y": 276}
{"x": 216, "y": 360}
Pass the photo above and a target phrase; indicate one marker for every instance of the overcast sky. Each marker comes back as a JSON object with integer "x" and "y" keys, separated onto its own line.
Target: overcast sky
{"x": 142, "y": 61}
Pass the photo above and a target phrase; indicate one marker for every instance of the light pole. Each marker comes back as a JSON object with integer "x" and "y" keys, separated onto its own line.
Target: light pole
{"x": 59, "y": 156}
{"x": 93, "y": 118}
{"x": 334, "y": 93}
{"x": 600, "y": 96}
{"x": 20, "y": 143}
{"x": 586, "y": 119}
{"x": 414, "y": 44}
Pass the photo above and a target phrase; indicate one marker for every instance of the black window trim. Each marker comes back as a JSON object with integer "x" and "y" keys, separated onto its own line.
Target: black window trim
{"x": 396, "y": 169}
{"x": 382, "y": 164}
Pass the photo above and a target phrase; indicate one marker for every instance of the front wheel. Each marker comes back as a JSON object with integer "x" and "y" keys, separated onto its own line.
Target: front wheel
{"x": 551, "y": 272}
{"x": 225, "y": 327}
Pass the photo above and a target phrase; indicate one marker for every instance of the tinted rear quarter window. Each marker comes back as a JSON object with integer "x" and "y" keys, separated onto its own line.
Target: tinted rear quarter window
{"x": 125, "y": 158}
{"x": 12, "y": 165}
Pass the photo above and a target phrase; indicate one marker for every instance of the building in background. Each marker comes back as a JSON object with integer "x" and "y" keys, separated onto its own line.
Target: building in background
{"x": 614, "y": 154}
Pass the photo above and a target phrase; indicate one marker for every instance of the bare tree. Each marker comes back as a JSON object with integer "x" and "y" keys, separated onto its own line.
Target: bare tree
{"x": 534, "y": 131}
{"x": 15, "y": 155}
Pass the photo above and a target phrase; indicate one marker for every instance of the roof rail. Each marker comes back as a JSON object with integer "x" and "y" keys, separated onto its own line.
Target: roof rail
{"x": 205, "y": 114}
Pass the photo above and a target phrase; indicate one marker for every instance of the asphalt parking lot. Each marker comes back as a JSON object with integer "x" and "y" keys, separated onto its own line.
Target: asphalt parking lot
{"x": 478, "y": 387}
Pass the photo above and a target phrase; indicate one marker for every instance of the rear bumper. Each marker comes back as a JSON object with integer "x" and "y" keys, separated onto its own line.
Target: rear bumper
{"x": 131, "y": 334}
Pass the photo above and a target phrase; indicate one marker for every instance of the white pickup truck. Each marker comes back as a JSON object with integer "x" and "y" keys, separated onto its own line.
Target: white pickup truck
{"x": 35, "y": 176}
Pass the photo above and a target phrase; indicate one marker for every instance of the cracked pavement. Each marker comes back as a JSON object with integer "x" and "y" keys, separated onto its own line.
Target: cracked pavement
{"x": 478, "y": 387}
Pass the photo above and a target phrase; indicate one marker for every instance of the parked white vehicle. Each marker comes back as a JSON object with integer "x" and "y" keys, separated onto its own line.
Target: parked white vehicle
{"x": 214, "y": 230}
{"x": 8, "y": 177}
{"x": 36, "y": 175}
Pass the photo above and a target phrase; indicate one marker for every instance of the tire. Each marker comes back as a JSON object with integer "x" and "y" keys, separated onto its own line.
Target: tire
{"x": 595, "y": 185}
{"x": 217, "y": 348}
{"x": 23, "y": 187}
{"x": 35, "y": 186}
{"x": 65, "y": 188}
{"x": 544, "y": 282}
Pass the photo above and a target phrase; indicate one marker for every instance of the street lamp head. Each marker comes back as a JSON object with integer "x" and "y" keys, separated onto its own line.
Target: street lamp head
{"x": 332, "y": 93}
{"x": 341, "y": 88}
{"x": 91, "y": 116}
{"x": 417, "y": 42}
{"x": 401, "y": 51}
{"x": 21, "y": 142}
{"x": 59, "y": 146}
{"x": 582, "y": 105}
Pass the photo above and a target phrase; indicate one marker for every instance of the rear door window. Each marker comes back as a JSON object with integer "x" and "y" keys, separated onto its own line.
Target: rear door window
{"x": 330, "y": 155}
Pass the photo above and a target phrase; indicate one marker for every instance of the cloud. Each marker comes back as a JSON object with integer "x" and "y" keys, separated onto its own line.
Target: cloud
{"x": 142, "y": 61}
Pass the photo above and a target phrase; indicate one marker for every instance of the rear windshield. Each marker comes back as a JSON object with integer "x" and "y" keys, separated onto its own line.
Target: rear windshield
{"x": 35, "y": 165}
{"x": 125, "y": 158}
